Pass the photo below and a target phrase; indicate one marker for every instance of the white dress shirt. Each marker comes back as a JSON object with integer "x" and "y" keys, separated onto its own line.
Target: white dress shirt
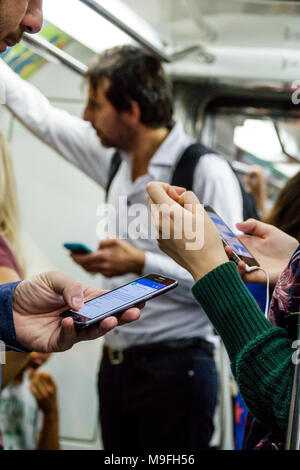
{"x": 175, "y": 314}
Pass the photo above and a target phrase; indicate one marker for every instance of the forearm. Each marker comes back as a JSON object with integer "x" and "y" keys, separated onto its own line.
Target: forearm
{"x": 261, "y": 355}
{"x": 49, "y": 435}
{"x": 70, "y": 136}
{"x": 261, "y": 204}
{"x": 29, "y": 105}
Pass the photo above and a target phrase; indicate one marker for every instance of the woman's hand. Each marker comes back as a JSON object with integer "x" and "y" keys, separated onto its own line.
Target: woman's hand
{"x": 185, "y": 231}
{"x": 271, "y": 247}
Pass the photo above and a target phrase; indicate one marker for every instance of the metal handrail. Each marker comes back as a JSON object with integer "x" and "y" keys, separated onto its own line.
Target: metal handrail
{"x": 169, "y": 58}
{"x": 63, "y": 57}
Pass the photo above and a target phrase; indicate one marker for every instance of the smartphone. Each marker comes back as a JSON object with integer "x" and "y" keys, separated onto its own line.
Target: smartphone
{"x": 78, "y": 248}
{"x": 240, "y": 252}
{"x": 118, "y": 300}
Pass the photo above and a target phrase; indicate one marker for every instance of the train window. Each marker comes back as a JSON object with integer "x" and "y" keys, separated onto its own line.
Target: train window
{"x": 276, "y": 142}
{"x": 257, "y": 136}
{"x": 249, "y": 126}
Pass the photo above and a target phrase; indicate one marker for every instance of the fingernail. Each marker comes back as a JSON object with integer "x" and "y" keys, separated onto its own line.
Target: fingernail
{"x": 77, "y": 301}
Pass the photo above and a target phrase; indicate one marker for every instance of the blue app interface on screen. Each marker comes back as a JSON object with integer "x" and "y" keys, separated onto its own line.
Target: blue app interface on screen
{"x": 117, "y": 298}
{"x": 228, "y": 236}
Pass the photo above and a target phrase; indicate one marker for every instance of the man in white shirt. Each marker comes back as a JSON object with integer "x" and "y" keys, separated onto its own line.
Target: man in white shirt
{"x": 158, "y": 383}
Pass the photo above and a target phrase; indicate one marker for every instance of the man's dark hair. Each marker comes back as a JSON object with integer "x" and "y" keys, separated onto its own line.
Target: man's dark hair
{"x": 135, "y": 75}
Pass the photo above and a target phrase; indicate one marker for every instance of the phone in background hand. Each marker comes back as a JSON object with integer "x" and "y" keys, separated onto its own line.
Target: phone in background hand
{"x": 78, "y": 248}
{"x": 118, "y": 300}
{"x": 240, "y": 252}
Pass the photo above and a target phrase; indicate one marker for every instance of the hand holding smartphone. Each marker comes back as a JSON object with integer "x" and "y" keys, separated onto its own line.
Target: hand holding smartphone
{"x": 118, "y": 300}
{"x": 240, "y": 252}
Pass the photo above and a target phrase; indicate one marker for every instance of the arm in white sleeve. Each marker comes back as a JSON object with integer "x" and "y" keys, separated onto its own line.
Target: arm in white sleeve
{"x": 216, "y": 185}
{"x": 156, "y": 263}
{"x": 70, "y": 136}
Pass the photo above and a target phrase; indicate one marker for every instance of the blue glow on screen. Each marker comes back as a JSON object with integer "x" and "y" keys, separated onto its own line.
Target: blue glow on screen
{"x": 229, "y": 236}
{"x": 119, "y": 297}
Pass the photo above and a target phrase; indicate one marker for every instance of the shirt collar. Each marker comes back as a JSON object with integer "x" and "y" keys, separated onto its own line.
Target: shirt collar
{"x": 170, "y": 150}
{"x": 172, "y": 147}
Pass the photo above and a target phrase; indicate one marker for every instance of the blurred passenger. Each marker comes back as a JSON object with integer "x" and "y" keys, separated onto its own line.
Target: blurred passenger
{"x": 256, "y": 184}
{"x": 262, "y": 352}
{"x": 28, "y": 409}
{"x": 12, "y": 267}
{"x": 11, "y": 258}
{"x": 17, "y": 406}
{"x": 285, "y": 213}
{"x": 129, "y": 139}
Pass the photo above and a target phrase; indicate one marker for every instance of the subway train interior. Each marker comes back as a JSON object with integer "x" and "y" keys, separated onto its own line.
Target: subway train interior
{"x": 234, "y": 69}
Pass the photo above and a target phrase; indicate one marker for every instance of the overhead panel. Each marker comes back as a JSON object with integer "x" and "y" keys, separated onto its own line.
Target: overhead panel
{"x": 259, "y": 23}
{"x": 256, "y": 40}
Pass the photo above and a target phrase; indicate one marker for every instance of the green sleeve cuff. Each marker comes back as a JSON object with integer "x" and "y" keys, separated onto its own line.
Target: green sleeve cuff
{"x": 264, "y": 371}
{"x": 230, "y": 307}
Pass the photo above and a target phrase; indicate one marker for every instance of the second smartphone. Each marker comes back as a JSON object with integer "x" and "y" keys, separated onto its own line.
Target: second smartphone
{"x": 78, "y": 248}
{"x": 118, "y": 300}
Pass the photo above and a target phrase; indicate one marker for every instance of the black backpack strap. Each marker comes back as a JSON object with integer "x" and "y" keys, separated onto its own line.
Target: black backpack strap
{"x": 185, "y": 169}
{"x": 249, "y": 204}
{"x": 114, "y": 167}
{"x": 184, "y": 176}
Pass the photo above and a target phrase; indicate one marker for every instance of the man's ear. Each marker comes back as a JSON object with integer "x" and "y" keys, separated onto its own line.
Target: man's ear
{"x": 133, "y": 115}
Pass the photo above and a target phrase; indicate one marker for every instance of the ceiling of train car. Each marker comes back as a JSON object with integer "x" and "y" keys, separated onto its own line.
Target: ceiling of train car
{"x": 253, "y": 43}
{"x": 83, "y": 24}
{"x": 242, "y": 23}
{"x": 241, "y": 39}
{"x": 248, "y": 43}
{"x": 246, "y": 39}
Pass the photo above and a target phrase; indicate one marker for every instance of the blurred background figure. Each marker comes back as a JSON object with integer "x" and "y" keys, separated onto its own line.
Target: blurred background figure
{"x": 28, "y": 409}
{"x": 285, "y": 213}
{"x": 257, "y": 186}
{"x": 12, "y": 266}
{"x": 26, "y": 391}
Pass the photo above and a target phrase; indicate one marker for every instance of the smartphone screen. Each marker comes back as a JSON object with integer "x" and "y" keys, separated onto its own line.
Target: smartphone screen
{"x": 230, "y": 239}
{"x": 119, "y": 299}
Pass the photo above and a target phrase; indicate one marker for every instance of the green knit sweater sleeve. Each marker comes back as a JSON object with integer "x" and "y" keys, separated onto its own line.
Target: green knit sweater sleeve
{"x": 260, "y": 354}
